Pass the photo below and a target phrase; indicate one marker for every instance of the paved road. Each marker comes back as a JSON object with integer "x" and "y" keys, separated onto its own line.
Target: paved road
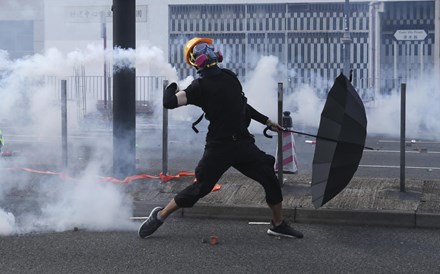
{"x": 243, "y": 248}
{"x": 186, "y": 147}
{"x": 178, "y": 248}
{"x": 422, "y": 159}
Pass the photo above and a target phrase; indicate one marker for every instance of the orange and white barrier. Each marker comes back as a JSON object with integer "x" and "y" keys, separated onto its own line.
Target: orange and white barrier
{"x": 128, "y": 179}
{"x": 290, "y": 164}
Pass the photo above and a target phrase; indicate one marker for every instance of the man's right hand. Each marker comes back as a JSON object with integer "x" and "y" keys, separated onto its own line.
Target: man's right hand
{"x": 172, "y": 88}
{"x": 173, "y": 97}
{"x": 169, "y": 96}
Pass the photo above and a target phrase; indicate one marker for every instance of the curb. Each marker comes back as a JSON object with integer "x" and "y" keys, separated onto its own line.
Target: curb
{"x": 357, "y": 217}
{"x": 427, "y": 220}
{"x": 307, "y": 215}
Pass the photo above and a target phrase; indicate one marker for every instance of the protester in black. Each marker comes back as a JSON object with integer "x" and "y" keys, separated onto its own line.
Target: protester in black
{"x": 228, "y": 141}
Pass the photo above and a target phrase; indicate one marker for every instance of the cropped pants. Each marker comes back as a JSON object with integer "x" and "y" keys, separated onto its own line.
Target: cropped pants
{"x": 244, "y": 156}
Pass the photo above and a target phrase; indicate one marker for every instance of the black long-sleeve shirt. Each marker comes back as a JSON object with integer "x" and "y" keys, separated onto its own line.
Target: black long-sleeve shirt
{"x": 220, "y": 96}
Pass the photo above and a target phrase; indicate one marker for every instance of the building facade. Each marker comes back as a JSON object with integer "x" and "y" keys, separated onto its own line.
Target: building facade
{"x": 306, "y": 36}
{"x": 21, "y": 27}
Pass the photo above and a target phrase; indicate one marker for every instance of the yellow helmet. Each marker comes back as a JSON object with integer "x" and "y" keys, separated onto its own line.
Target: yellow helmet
{"x": 189, "y": 48}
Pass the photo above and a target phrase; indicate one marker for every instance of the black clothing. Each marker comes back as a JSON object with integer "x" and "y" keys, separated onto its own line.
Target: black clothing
{"x": 209, "y": 71}
{"x": 228, "y": 142}
{"x": 219, "y": 94}
{"x": 169, "y": 98}
{"x": 244, "y": 156}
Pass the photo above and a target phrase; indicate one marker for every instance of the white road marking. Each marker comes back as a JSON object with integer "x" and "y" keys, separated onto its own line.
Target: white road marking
{"x": 412, "y": 142}
{"x": 259, "y": 223}
{"x": 409, "y": 167}
{"x": 398, "y": 151}
{"x": 138, "y": 218}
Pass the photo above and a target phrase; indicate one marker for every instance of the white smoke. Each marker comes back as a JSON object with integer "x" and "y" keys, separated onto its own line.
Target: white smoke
{"x": 30, "y": 100}
{"x": 7, "y": 223}
{"x": 422, "y": 101}
{"x": 306, "y": 102}
{"x": 261, "y": 86}
{"x": 305, "y": 106}
{"x": 261, "y": 89}
{"x": 85, "y": 203}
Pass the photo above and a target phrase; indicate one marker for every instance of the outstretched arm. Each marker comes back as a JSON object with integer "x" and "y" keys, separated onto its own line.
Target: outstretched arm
{"x": 173, "y": 97}
{"x": 257, "y": 116}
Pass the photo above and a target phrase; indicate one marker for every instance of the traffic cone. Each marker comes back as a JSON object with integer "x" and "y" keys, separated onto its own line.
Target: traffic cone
{"x": 290, "y": 164}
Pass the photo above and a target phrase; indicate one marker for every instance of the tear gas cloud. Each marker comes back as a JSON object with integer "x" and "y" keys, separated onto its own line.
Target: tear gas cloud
{"x": 261, "y": 86}
{"x": 30, "y": 101}
{"x": 27, "y": 98}
{"x": 59, "y": 205}
{"x": 422, "y": 111}
{"x": 305, "y": 102}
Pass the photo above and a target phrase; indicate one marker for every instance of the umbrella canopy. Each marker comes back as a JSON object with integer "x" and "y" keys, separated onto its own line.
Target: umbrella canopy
{"x": 339, "y": 150}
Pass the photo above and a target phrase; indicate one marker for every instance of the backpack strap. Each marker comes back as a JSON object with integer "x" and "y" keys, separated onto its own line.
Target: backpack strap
{"x": 197, "y": 122}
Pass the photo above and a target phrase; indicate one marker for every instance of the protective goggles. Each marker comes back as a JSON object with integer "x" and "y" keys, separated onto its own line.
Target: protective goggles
{"x": 202, "y": 48}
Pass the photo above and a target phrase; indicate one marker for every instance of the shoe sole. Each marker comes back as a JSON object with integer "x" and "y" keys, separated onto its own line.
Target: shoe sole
{"x": 139, "y": 229}
{"x": 273, "y": 233}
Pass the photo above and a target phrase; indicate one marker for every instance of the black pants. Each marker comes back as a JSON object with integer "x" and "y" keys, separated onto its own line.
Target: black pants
{"x": 244, "y": 156}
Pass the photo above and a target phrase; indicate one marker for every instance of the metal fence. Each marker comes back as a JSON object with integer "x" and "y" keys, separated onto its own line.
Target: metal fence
{"x": 83, "y": 89}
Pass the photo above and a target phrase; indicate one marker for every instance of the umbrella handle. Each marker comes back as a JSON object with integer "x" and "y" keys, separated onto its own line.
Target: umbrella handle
{"x": 265, "y": 132}
{"x": 294, "y": 131}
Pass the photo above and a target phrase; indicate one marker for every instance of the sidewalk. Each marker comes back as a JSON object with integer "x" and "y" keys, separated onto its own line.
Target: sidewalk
{"x": 365, "y": 201}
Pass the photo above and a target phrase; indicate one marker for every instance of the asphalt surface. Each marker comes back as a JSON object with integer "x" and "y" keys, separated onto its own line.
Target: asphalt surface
{"x": 178, "y": 247}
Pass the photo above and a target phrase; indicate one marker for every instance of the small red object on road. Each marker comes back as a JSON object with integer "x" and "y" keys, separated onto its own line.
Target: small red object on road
{"x": 213, "y": 240}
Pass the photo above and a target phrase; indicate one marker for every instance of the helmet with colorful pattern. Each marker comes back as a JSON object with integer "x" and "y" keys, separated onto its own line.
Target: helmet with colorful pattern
{"x": 199, "y": 52}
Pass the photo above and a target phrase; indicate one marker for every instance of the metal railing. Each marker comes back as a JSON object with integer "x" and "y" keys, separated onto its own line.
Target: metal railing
{"x": 81, "y": 89}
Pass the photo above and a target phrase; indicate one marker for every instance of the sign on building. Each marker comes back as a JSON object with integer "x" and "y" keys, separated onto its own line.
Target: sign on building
{"x": 89, "y": 14}
{"x": 410, "y": 35}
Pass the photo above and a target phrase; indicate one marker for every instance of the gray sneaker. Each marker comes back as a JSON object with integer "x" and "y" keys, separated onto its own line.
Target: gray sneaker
{"x": 284, "y": 230}
{"x": 151, "y": 224}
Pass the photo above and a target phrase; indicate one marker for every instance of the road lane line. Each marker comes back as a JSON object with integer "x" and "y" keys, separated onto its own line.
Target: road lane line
{"x": 398, "y": 151}
{"x": 416, "y": 142}
{"x": 409, "y": 167}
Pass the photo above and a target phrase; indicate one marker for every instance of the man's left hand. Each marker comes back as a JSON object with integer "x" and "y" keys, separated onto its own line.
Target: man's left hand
{"x": 274, "y": 126}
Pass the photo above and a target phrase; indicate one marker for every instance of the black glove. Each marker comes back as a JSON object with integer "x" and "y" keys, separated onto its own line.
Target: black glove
{"x": 171, "y": 88}
{"x": 169, "y": 96}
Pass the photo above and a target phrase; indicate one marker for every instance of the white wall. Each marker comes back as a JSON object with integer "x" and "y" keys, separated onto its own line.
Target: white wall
{"x": 25, "y": 10}
{"x": 68, "y": 27}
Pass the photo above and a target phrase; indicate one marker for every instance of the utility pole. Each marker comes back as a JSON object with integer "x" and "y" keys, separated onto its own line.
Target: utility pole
{"x": 104, "y": 37}
{"x": 437, "y": 41}
{"x": 124, "y": 91}
{"x": 346, "y": 40}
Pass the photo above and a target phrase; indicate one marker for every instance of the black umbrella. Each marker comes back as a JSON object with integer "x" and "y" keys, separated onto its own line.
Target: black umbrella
{"x": 340, "y": 143}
